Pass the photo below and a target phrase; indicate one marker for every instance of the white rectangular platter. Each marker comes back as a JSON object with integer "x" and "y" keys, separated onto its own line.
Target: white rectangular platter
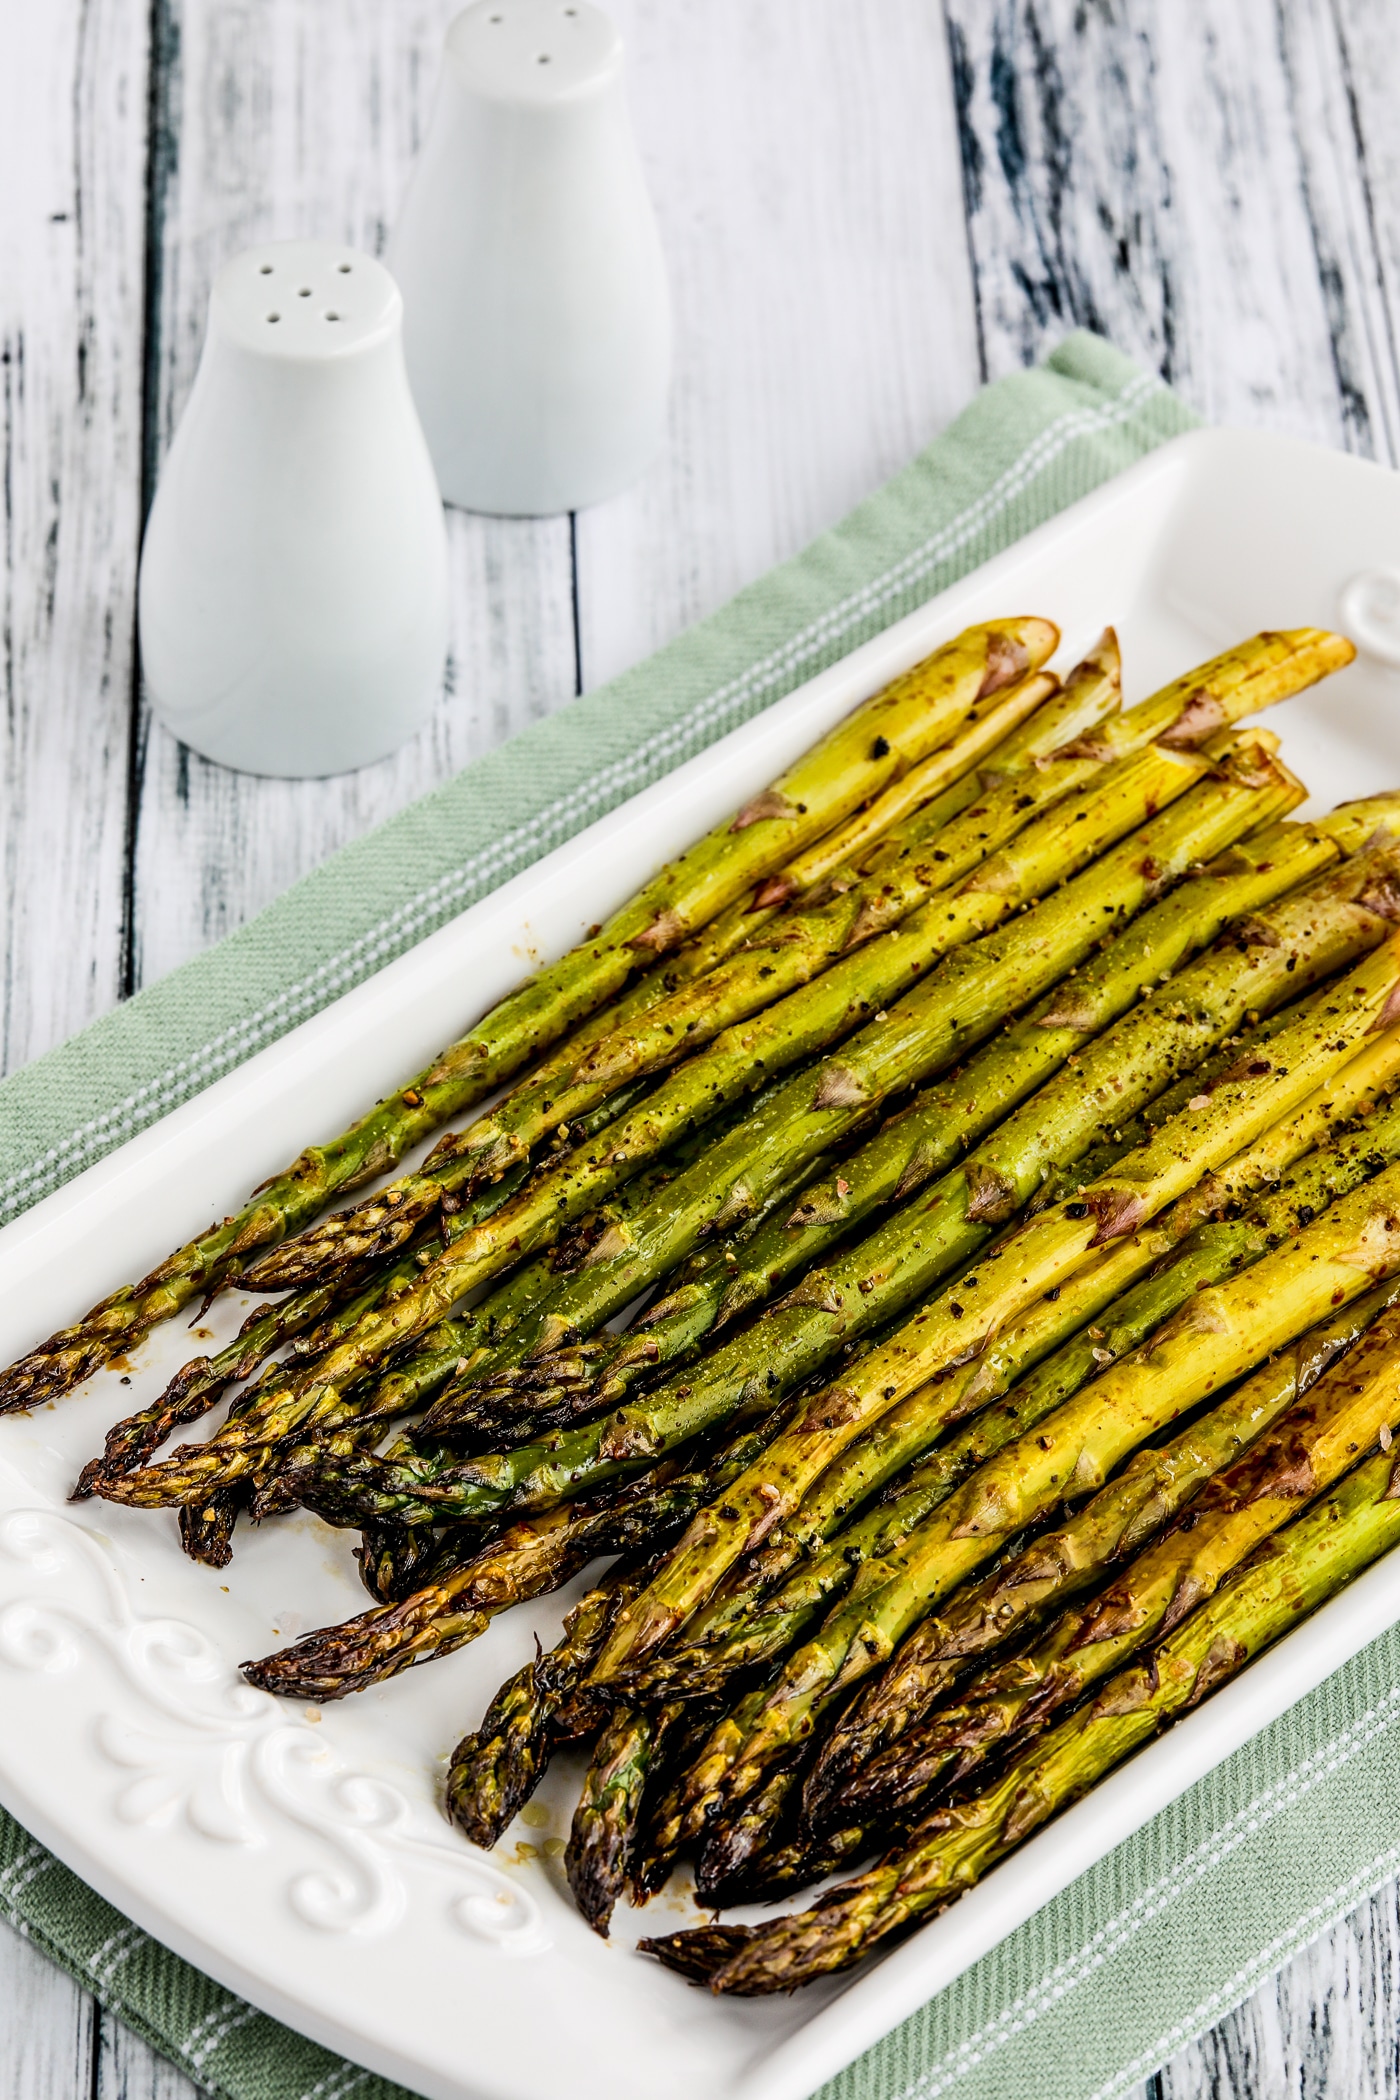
{"x": 298, "y": 1855}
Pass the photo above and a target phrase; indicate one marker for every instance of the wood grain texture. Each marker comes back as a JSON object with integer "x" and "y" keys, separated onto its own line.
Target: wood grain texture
{"x": 1198, "y": 186}
{"x": 824, "y": 315}
{"x": 72, "y": 174}
{"x": 48, "y": 2029}
{"x": 857, "y": 226}
{"x": 274, "y": 121}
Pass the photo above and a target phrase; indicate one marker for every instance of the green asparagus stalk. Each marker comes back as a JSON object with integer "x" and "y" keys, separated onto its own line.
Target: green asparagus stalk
{"x": 1222, "y": 1334}
{"x": 736, "y": 1640}
{"x": 819, "y": 1553}
{"x": 943, "y": 1122}
{"x": 880, "y": 740}
{"x": 955, "y": 1326}
{"x": 893, "y": 1267}
{"x": 490, "y": 1146}
{"x": 1294, "y": 1451}
{"x": 495, "y": 1770}
{"x": 693, "y": 1096}
{"x": 954, "y": 1848}
{"x": 599, "y": 1857}
{"x": 537, "y": 1555}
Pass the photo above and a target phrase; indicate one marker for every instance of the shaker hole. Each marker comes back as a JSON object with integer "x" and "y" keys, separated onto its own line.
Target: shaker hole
{"x": 305, "y": 292}
{"x": 265, "y": 269}
{"x": 332, "y": 317}
{"x": 543, "y": 59}
{"x": 344, "y": 269}
{"x": 274, "y": 317}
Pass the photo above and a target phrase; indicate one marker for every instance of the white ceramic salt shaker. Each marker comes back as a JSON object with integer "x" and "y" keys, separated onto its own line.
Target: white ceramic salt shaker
{"x": 293, "y": 595}
{"x": 537, "y": 321}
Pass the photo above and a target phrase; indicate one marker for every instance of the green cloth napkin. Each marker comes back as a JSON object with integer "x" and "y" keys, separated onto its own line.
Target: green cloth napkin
{"x": 1175, "y": 1926}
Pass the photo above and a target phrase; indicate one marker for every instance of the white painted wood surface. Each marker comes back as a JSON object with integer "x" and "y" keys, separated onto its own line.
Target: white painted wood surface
{"x": 865, "y": 210}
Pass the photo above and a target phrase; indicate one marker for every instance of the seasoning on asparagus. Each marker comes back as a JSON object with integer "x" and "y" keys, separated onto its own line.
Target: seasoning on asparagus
{"x": 1146, "y": 1495}
{"x": 497, "y": 1393}
{"x": 1221, "y": 1334}
{"x": 1294, "y": 1451}
{"x": 1108, "y": 1308}
{"x": 1308, "y": 1563}
{"x": 739, "y": 1061}
{"x": 862, "y": 755}
{"x": 956, "y": 1325}
{"x": 902, "y": 1259}
{"x": 1237, "y": 683}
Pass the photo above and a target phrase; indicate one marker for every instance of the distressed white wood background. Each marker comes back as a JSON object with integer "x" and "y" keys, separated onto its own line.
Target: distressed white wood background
{"x": 868, "y": 210}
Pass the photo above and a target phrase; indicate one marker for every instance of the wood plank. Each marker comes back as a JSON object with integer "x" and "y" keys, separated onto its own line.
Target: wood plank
{"x": 72, "y": 160}
{"x": 1144, "y": 175}
{"x": 288, "y": 120}
{"x": 48, "y": 2033}
{"x": 824, "y": 317}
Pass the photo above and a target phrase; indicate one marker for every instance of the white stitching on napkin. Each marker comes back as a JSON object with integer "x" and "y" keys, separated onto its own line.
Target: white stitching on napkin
{"x": 213, "y": 2031}
{"x": 1330, "y": 1911}
{"x": 118, "y": 1947}
{"x": 1149, "y": 1903}
{"x": 25, "y": 1867}
{"x": 563, "y": 818}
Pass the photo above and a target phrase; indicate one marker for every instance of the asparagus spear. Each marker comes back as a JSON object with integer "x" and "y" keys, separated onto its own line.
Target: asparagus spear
{"x": 601, "y": 1841}
{"x": 1221, "y": 1334}
{"x": 956, "y": 1325}
{"x": 538, "y": 1554}
{"x": 1294, "y": 1451}
{"x": 879, "y": 741}
{"x": 690, "y": 1097}
{"x": 795, "y": 1574}
{"x": 929, "y": 932}
{"x": 734, "y": 1640}
{"x": 1308, "y": 1563}
{"x": 890, "y": 1269}
{"x": 494, "y": 1771}
{"x": 937, "y": 1128}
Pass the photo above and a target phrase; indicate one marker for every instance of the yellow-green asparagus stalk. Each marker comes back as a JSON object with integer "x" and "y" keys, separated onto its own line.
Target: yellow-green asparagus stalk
{"x": 950, "y": 1852}
{"x": 1239, "y": 1473}
{"x": 955, "y": 1326}
{"x": 903, "y": 891}
{"x": 736, "y": 1065}
{"x": 877, "y": 743}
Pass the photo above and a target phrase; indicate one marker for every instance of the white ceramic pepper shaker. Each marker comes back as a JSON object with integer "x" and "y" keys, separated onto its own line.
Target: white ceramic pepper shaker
{"x": 537, "y": 320}
{"x": 293, "y": 596}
